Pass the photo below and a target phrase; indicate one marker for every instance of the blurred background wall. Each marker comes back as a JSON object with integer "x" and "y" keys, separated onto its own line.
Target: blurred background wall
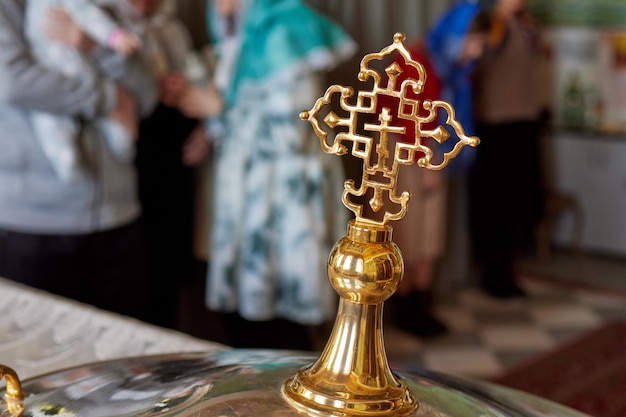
{"x": 587, "y": 160}
{"x": 371, "y": 22}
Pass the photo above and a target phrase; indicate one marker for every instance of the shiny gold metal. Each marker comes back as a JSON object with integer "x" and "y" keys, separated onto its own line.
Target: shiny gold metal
{"x": 13, "y": 393}
{"x": 352, "y": 376}
{"x": 380, "y": 176}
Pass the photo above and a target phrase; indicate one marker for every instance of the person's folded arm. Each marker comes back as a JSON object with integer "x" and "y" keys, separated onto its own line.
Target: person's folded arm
{"x": 131, "y": 73}
{"x": 26, "y": 83}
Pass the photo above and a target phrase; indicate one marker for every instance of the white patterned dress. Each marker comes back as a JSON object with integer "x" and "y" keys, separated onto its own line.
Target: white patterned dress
{"x": 277, "y": 208}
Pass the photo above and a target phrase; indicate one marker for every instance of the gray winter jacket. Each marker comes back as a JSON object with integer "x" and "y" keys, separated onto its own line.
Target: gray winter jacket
{"x": 32, "y": 198}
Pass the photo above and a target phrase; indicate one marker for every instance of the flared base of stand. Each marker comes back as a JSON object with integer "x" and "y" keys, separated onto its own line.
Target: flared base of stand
{"x": 396, "y": 401}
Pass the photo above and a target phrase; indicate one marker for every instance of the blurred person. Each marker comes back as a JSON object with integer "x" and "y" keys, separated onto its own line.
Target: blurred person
{"x": 454, "y": 44}
{"x": 448, "y": 54}
{"x": 79, "y": 239}
{"x": 505, "y": 188}
{"x": 58, "y": 134}
{"x": 277, "y": 210}
{"x": 169, "y": 147}
{"x": 421, "y": 237}
{"x": 420, "y": 234}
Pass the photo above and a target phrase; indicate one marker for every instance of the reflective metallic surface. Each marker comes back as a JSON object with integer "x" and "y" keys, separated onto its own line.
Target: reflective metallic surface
{"x": 352, "y": 376}
{"x": 236, "y": 383}
{"x": 13, "y": 392}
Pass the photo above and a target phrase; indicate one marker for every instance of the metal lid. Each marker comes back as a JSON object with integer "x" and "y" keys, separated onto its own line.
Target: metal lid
{"x": 238, "y": 383}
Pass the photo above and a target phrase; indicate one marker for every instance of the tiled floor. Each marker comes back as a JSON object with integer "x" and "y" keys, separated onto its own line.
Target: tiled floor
{"x": 487, "y": 336}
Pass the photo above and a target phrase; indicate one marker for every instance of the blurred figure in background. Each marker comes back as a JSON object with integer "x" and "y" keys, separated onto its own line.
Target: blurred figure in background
{"x": 420, "y": 234}
{"x": 169, "y": 146}
{"x": 58, "y": 134}
{"x": 79, "y": 239}
{"x": 505, "y": 192}
{"x": 277, "y": 209}
{"x": 448, "y": 54}
{"x": 454, "y": 44}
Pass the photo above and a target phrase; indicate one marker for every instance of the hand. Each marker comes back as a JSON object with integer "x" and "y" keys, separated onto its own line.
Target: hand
{"x": 125, "y": 111}
{"x": 59, "y": 26}
{"x": 473, "y": 47}
{"x": 172, "y": 87}
{"x": 201, "y": 102}
{"x": 196, "y": 147}
{"x": 125, "y": 43}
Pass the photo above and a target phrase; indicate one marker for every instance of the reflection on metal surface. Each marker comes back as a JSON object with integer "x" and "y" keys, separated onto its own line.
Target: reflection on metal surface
{"x": 352, "y": 376}
{"x": 13, "y": 393}
{"x": 242, "y": 383}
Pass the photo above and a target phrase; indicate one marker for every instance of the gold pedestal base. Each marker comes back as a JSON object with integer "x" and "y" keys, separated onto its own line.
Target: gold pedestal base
{"x": 356, "y": 381}
{"x": 352, "y": 376}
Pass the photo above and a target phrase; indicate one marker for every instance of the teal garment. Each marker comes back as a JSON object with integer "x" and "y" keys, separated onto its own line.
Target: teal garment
{"x": 281, "y": 35}
{"x": 277, "y": 210}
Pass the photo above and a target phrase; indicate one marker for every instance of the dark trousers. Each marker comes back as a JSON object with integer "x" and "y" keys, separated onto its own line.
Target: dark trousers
{"x": 166, "y": 193}
{"x": 167, "y": 225}
{"x": 505, "y": 195}
{"x": 104, "y": 269}
{"x": 271, "y": 334}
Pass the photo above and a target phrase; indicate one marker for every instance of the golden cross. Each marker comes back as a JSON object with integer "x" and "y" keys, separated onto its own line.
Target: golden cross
{"x": 380, "y": 176}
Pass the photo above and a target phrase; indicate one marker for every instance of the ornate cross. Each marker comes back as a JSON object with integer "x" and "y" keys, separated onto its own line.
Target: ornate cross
{"x": 352, "y": 376}
{"x": 380, "y": 173}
